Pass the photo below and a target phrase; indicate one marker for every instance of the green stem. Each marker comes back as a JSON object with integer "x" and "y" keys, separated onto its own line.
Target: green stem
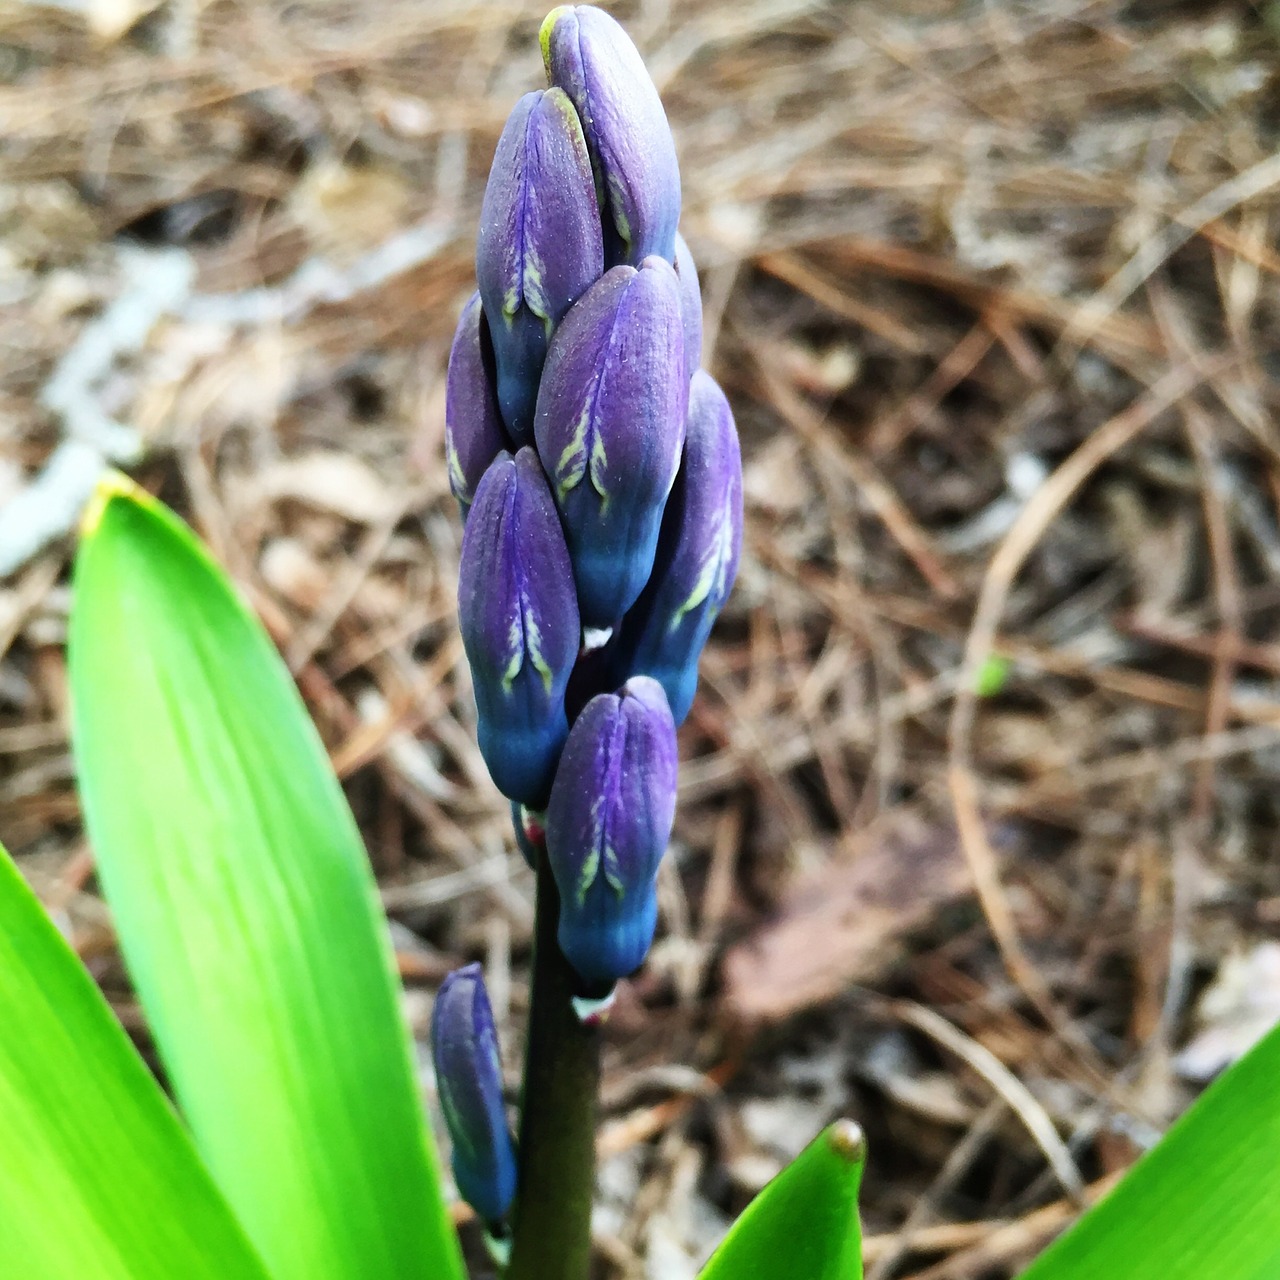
{"x": 551, "y": 1231}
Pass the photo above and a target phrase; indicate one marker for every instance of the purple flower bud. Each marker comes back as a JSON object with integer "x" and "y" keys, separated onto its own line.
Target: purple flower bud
{"x": 473, "y": 431}
{"x": 519, "y": 620}
{"x": 608, "y": 823}
{"x": 590, "y": 57}
{"x": 610, "y": 425}
{"x": 464, "y": 1045}
{"x": 539, "y": 245}
{"x": 663, "y": 633}
{"x": 690, "y": 306}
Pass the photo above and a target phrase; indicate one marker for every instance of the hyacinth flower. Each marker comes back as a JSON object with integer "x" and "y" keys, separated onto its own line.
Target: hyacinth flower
{"x": 593, "y": 563}
{"x": 588, "y": 55}
{"x": 464, "y": 1047}
{"x": 520, "y": 628}
{"x": 690, "y": 305}
{"x": 473, "y": 430}
{"x": 608, "y": 824}
{"x": 540, "y": 244}
{"x": 610, "y": 427}
{"x": 664, "y": 633}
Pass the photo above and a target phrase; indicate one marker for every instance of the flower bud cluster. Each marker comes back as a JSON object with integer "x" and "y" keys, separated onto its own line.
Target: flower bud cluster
{"x": 599, "y": 477}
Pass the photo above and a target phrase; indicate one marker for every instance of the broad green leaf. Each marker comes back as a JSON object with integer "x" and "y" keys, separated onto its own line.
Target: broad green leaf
{"x": 246, "y": 909}
{"x": 805, "y": 1222}
{"x": 97, "y": 1177}
{"x": 1203, "y": 1203}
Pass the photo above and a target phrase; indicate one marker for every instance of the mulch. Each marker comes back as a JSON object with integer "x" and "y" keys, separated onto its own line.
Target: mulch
{"x": 980, "y": 796}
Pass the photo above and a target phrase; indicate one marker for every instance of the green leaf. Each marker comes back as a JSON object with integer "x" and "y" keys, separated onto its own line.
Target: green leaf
{"x": 97, "y": 1177}
{"x": 246, "y": 909}
{"x": 1203, "y": 1203}
{"x": 805, "y": 1222}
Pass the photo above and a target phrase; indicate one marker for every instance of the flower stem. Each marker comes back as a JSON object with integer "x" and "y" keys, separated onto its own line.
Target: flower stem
{"x": 551, "y": 1232}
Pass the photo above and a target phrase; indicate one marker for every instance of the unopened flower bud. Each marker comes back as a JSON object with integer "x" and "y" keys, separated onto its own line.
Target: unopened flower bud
{"x": 690, "y": 306}
{"x": 590, "y": 57}
{"x": 473, "y": 431}
{"x": 519, "y": 620}
{"x": 464, "y": 1046}
{"x": 539, "y": 245}
{"x": 608, "y": 823}
{"x": 663, "y": 634}
{"x": 610, "y": 425}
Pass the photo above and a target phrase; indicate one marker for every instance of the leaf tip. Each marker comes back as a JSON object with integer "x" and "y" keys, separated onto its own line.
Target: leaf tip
{"x": 114, "y": 484}
{"x": 847, "y": 1141}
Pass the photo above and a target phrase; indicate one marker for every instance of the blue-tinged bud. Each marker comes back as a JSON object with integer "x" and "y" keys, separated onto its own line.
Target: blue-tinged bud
{"x": 519, "y": 620}
{"x": 590, "y": 57}
{"x": 464, "y": 1046}
{"x": 690, "y": 306}
{"x": 608, "y": 823}
{"x": 473, "y": 430}
{"x": 610, "y": 425}
{"x": 539, "y": 245}
{"x": 663, "y": 634}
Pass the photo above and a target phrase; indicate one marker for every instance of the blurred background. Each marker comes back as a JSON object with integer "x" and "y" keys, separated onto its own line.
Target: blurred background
{"x": 977, "y": 833}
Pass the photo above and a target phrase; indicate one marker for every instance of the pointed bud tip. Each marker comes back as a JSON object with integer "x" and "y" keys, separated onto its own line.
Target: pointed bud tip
{"x": 649, "y": 693}
{"x": 561, "y": 13}
{"x": 847, "y": 1140}
{"x": 588, "y": 53}
{"x": 111, "y": 485}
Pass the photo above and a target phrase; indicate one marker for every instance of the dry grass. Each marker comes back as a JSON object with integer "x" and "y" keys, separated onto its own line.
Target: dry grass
{"x": 993, "y": 288}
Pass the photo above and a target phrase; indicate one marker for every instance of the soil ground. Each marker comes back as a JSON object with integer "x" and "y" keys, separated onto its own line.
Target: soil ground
{"x": 993, "y": 290}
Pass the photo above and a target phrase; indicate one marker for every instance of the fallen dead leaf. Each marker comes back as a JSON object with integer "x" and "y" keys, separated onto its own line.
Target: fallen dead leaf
{"x": 329, "y": 481}
{"x": 843, "y": 923}
{"x": 1237, "y": 1009}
